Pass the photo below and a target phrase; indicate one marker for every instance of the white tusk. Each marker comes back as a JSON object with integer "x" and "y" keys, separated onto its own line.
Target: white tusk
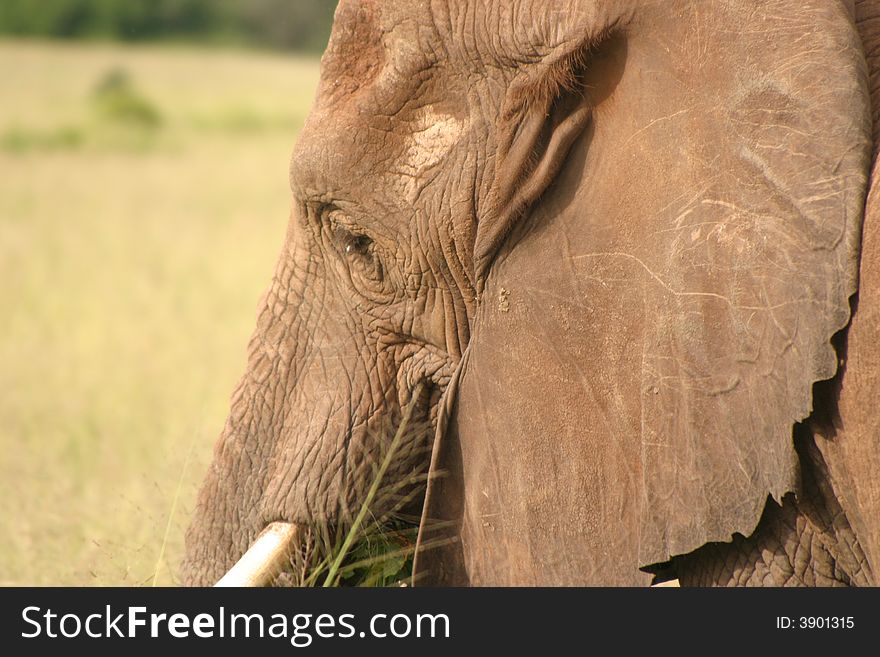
{"x": 264, "y": 559}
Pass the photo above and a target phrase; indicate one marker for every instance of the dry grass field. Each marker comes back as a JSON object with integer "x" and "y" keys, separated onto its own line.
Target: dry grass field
{"x": 143, "y": 200}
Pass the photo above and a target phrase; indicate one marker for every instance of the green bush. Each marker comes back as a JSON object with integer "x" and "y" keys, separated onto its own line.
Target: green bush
{"x": 116, "y": 100}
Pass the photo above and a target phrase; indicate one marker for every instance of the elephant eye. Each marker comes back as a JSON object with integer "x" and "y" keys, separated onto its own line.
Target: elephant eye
{"x": 359, "y": 252}
{"x": 356, "y": 245}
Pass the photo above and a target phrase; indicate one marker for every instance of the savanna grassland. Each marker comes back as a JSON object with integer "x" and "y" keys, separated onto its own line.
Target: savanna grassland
{"x": 143, "y": 201}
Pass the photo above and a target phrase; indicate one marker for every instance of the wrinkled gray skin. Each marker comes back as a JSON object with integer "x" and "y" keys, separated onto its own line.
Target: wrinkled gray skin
{"x": 606, "y": 245}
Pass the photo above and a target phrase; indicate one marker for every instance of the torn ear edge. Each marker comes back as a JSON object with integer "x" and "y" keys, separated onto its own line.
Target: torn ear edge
{"x": 541, "y": 118}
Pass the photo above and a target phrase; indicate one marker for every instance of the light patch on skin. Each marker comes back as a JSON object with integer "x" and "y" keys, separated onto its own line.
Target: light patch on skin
{"x": 433, "y": 135}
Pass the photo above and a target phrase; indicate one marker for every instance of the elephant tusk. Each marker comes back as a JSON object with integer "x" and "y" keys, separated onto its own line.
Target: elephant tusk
{"x": 264, "y": 559}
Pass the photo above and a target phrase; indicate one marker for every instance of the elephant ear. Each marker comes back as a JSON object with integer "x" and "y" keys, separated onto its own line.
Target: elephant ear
{"x": 651, "y": 329}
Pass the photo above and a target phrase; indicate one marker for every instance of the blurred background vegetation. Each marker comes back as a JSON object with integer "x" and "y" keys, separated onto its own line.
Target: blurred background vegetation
{"x": 302, "y": 25}
{"x": 143, "y": 203}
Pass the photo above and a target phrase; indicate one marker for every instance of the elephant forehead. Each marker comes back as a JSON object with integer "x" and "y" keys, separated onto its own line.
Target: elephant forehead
{"x": 347, "y": 147}
{"x": 355, "y": 53}
{"x": 373, "y": 45}
{"x": 398, "y": 126}
{"x": 382, "y": 108}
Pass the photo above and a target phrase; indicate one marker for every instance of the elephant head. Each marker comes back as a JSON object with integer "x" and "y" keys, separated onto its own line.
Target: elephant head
{"x": 599, "y": 247}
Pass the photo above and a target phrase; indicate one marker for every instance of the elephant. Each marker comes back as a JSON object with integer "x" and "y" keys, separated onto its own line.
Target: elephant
{"x": 620, "y": 257}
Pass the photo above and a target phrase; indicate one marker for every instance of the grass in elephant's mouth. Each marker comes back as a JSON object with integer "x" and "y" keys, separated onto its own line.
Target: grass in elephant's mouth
{"x": 375, "y": 546}
{"x": 378, "y": 555}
